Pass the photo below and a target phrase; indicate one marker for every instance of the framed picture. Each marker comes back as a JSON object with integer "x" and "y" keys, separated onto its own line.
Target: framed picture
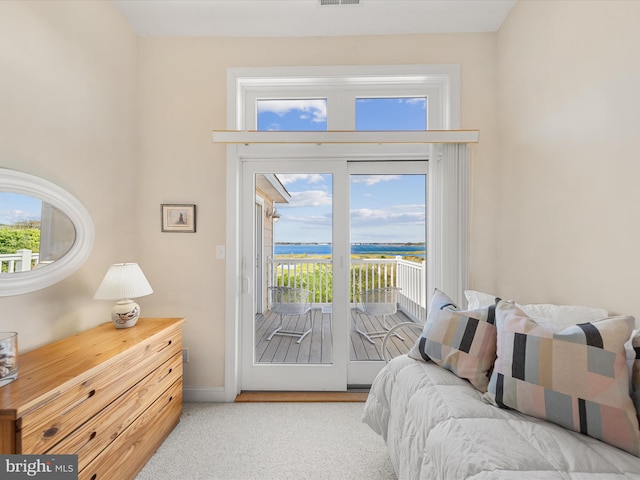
{"x": 178, "y": 217}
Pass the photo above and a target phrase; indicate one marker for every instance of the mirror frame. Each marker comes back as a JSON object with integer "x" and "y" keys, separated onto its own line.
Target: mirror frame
{"x": 39, "y": 278}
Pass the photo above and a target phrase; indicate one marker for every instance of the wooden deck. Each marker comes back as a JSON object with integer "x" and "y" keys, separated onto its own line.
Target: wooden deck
{"x": 316, "y": 348}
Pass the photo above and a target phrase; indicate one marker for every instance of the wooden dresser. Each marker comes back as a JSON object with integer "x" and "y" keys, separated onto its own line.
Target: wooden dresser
{"x": 109, "y": 395}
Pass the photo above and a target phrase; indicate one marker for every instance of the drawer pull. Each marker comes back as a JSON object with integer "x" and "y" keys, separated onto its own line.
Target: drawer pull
{"x": 50, "y": 433}
{"x": 167, "y": 345}
{"x": 80, "y": 402}
{"x": 92, "y": 435}
{"x": 166, "y": 375}
{"x": 94, "y": 476}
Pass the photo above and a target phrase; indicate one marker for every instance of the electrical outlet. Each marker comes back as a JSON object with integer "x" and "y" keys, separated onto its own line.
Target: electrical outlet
{"x": 185, "y": 355}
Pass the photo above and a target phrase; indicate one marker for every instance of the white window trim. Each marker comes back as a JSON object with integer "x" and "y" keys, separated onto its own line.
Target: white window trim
{"x": 438, "y": 81}
{"x": 445, "y": 78}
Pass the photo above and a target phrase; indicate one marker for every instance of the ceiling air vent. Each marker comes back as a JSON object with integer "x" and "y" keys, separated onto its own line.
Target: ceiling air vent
{"x": 339, "y": 2}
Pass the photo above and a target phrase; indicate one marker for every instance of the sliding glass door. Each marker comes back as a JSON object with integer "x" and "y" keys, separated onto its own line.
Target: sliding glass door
{"x": 330, "y": 230}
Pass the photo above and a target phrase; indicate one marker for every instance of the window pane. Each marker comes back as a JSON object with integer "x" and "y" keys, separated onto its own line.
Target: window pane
{"x": 387, "y": 262}
{"x": 292, "y": 115}
{"x": 406, "y": 113}
{"x": 296, "y": 270}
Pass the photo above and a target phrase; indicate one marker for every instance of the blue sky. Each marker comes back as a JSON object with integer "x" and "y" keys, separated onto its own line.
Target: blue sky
{"x": 384, "y": 208}
{"x": 15, "y": 208}
{"x": 371, "y": 114}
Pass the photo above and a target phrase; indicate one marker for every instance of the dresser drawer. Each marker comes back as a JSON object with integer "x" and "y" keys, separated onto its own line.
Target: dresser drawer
{"x": 127, "y": 454}
{"x": 96, "y": 434}
{"x": 41, "y": 429}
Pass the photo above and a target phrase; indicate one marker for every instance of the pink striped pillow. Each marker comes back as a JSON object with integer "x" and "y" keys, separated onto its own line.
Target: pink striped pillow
{"x": 577, "y": 377}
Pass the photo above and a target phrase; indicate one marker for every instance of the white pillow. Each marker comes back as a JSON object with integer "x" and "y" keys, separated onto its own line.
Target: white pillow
{"x": 477, "y": 299}
{"x": 549, "y": 316}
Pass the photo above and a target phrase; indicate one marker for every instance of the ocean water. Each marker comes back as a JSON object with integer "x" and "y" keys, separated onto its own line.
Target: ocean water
{"x": 356, "y": 248}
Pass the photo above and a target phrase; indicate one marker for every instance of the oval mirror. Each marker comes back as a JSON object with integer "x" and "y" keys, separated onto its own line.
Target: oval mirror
{"x": 45, "y": 233}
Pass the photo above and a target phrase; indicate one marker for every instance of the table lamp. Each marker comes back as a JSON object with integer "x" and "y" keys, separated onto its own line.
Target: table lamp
{"x": 123, "y": 282}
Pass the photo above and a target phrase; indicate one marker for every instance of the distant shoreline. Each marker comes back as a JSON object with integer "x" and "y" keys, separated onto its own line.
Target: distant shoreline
{"x": 413, "y": 244}
{"x": 404, "y": 249}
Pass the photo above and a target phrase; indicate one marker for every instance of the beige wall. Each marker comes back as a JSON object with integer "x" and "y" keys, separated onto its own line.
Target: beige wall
{"x": 183, "y": 98}
{"x": 67, "y": 114}
{"x": 125, "y": 124}
{"x": 568, "y": 197}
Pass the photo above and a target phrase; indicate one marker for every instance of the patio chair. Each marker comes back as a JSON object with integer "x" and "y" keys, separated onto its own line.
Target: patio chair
{"x": 290, "y": 301}
{"x": 378, "y": 302}
{"x": 391, "y": 350}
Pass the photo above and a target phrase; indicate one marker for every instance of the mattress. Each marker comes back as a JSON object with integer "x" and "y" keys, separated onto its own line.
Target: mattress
{"x": 436, "y": 426}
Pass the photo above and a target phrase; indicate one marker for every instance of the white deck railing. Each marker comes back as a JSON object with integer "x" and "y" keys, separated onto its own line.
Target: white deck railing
{"x": 21, "y": 261}
{"x": 412, "y": 280}
{"x": 316, "y": 274}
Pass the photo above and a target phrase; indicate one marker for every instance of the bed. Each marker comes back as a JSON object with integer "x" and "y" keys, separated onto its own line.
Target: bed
{"x": 438, "y": 425}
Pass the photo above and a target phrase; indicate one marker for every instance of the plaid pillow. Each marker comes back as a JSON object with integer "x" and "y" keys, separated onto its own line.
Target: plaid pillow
{"x": 577, "y": 378}
{"x": 462, "y": 341}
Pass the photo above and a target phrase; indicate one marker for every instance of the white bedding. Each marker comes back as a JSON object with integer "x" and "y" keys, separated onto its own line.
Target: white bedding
{"x": 437, "y": 426}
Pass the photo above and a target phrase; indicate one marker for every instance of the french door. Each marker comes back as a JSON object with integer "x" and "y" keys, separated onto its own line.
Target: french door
{"x": 315, "y": 218}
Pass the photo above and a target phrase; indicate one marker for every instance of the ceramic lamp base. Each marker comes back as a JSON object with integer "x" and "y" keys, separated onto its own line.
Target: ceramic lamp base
{"x": 125, "y": 313}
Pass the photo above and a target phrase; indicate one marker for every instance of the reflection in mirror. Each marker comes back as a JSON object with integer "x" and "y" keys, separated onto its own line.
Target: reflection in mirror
{"x": 45, "y": 233}
{"x": 33, "y": 233}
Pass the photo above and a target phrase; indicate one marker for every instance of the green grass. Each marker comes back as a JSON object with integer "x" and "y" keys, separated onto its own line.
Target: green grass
{"x": 310, "y": 275}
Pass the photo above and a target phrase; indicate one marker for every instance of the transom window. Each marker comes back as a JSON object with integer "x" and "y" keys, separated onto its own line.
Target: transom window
{"x": 372, "y": 114}
{"x": 327, "y": 99}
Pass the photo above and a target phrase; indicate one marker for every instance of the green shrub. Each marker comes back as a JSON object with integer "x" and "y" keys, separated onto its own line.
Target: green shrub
{"x": 13, "y": 239}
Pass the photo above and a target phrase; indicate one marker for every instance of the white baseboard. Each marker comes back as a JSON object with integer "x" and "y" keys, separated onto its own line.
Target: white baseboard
{"x": 203, "y": 394}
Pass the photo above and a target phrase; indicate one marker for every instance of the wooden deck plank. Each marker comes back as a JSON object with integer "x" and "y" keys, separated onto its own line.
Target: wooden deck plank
{"x": 316, "y": 349}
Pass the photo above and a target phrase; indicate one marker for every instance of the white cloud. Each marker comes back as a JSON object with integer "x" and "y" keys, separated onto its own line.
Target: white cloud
{"x": 316, "y": 108}
{"x": 419, "y": 101}
{"x": 373, "y": 179}
{"x": 387, "y": 218}
{"x": 9, "y": 217}
{"x": 289, "y": 178}
{"x": 274, "y": 127}
{"x": 398, "y": 223}
{"x": 310, "y": 198}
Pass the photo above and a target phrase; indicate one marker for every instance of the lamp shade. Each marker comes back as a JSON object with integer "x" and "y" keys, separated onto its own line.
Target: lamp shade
{"x": 123, "y": 280}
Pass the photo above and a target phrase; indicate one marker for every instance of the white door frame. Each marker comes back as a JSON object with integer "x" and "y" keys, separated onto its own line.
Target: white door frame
{"x": 447, "y": 80}
{"x": 447, "y": 239}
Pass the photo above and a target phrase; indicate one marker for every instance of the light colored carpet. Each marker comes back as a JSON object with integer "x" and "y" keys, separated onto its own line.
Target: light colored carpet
{"x": 271, "y": 441}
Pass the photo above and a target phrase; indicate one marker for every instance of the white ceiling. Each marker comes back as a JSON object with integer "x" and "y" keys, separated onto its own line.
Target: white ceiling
{"x": 308, "y": 18}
